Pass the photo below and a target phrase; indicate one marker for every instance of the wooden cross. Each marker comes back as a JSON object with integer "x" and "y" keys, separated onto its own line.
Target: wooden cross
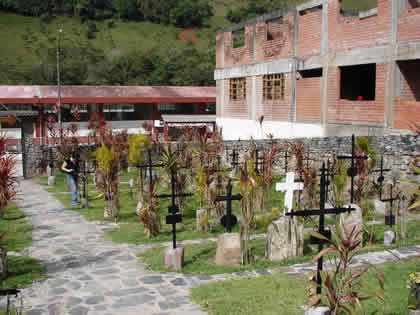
{"x": 229, "y": 220}
{"x": 174, "y": 217}
{"x": 352, "y": 171}
{"x": 381, "y": 177}
{"x": 321, "y": 212}
{"x": 390, "y": 219}
{"x": 289, "y": 187}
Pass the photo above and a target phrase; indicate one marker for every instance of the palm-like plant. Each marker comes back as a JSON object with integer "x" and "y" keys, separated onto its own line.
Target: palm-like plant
{"x": 342, "y": 286}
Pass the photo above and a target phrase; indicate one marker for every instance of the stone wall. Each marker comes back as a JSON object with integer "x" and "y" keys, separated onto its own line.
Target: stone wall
{"x": 398, "y": 151}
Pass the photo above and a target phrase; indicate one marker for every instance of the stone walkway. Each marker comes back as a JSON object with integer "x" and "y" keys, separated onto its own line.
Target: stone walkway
{"x": 88, "y": 275}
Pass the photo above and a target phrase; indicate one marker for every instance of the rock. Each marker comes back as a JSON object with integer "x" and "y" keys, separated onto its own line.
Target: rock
{"x": 174, "y": 257}
{"x": 201, "y": 220}
{"x": 228, "y": 250}
{"x": 49, "y": 171}
{"x": 51, "y": 180}
{"x": 139, "y": 206}
{"x": 284, "y": 238}
{"x": 323, "y": 310}
{"x": 352, "y": 221}
{"x": 380, "y": 207}
{"x": 84, "y": 203}
{"x": 389, "y": 238}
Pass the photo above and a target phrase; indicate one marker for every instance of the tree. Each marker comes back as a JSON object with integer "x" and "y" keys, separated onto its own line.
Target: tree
{"x": 190, "y": 13}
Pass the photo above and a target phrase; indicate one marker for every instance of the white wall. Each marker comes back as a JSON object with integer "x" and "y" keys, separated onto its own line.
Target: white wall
{"x": 234, "y": 129}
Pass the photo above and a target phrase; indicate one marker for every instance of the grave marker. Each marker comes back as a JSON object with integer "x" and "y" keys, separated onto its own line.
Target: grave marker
{"x": 321, "y": 212}
{"x": 381, "y": 177}
{"x": 352, "y": 170}
{"x": 229, "y": 220}
{"x": 174, "y": 217}
{"x": 390, "y": 218}
{"x": 289, "y": 187}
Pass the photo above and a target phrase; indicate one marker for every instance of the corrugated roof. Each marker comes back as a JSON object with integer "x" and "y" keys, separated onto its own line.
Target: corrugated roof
{"x": 106, "y": 94}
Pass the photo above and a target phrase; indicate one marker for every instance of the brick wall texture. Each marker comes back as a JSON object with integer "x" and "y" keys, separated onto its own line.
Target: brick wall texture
{"x": 345, "y": 32}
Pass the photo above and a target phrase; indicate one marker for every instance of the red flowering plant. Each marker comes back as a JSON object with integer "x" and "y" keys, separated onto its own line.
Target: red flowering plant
{"x": 8, "y": 177}
{"x": 343, "y": 288}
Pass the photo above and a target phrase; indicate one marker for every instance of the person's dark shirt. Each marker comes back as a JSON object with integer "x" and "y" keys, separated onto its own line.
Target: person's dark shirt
{"x": 72, "y": 166}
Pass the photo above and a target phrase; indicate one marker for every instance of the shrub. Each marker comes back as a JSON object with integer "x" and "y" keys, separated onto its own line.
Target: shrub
{"x": 90, "y": 35}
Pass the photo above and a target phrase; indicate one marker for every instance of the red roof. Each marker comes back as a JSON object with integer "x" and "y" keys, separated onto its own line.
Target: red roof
{"x": 11, "y": 94}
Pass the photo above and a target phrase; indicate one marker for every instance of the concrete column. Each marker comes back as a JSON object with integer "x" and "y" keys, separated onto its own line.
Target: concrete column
{"x": 254, "y": 43}
{"x": 222, "y": 98}
{"x": 392, "y": 73}
{"x": 253, "y": 111}
{"x": 324, "y": 53}
{"x": 295, "y": 64}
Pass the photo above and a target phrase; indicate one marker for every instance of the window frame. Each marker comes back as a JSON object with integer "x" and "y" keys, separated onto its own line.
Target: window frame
{"x": 274, "y": 87}
{"x": 237, "y": 89}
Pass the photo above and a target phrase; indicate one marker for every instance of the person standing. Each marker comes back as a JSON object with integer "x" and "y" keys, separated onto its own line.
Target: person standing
{"x": 70, "y": 168}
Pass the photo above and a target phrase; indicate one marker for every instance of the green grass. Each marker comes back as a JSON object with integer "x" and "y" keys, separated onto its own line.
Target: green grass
{"x": 17, "y": 230}
{"x": 130, "y": 230}
{"x": 199, "y": 259}
{"x": 22, "y": 271}
{"x": 281, "y": 294}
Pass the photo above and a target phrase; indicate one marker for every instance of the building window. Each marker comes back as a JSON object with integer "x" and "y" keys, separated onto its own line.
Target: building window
{"x": 273, "y": 87}
{"x": 272, "y": 28}
{"x": 237, "y": 89}
{"x": 238, "y": 39}
{"x": 358, "y": 83}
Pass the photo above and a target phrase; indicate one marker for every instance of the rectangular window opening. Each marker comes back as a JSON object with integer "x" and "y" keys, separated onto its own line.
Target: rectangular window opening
{"x": 273, "y": 87}
{"x": 271, "y": 35}
{"x": 237, "y": 89}
{"x": 311, "y": 73}
{"x": 238, "y": 39}
{"x": 310, "y": 10}
{"x": 358, "y": 83}
{"x": 410, "y": 86}
{"x": 413, "y": 3}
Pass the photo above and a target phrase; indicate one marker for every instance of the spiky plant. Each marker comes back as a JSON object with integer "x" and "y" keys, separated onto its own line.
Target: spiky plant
{"x": 8, "y": 177}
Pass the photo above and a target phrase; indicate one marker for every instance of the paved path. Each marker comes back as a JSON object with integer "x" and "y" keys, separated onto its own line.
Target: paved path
{"x": 89, "y": 275}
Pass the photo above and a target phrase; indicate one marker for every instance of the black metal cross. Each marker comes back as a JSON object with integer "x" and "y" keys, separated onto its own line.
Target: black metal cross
{"x": 229, "y": 220}
{"x": 381, "y": 177}
{"x": 390, "y": 219}
{"x": 149, "y": 165}
{"x": 235, "y": 158}
{"x": 286, "y": 161}
{"x": 174, "y": 217}
{"x": 352, "y": 171}
{"x": 321, "y": 212}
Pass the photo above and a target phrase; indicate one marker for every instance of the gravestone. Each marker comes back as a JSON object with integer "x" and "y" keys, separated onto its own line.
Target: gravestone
{"x": 320, "y": 310}
{"x": 284, "y": 239}
{"x": 49, "y": 171}
{"x": 389, "y": 238}
{"x": 229, "y": 249}
{"x": 139, "y": 207}
{"x": 202, "y": 220}
{"x": 174, "y": 257}
{"x": 379, "y": 206}
{"x": 352, "y": 220}
{"x": 51, "y": 180}
{"x": 289, "y": 187}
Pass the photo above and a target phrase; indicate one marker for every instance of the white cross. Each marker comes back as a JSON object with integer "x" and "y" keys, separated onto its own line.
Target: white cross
{"x": 289, "y": 187}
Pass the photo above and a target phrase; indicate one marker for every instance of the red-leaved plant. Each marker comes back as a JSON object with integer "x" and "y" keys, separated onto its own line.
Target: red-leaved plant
{"x": 8, "y": 178}
{"x": 342, "y": 287}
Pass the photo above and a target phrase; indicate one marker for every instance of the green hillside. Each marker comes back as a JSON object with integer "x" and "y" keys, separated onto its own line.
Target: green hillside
{"x": 116, "y": 51}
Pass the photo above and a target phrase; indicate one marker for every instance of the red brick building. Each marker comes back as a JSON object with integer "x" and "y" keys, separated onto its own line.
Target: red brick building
{"x": 315, "y": 70}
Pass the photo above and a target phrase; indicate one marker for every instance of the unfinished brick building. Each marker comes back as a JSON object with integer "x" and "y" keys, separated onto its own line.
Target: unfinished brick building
{"x": 314, "y": 70}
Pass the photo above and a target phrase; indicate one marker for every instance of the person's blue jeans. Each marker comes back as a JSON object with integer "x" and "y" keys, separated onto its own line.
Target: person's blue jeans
{"x": 73, "y": 186}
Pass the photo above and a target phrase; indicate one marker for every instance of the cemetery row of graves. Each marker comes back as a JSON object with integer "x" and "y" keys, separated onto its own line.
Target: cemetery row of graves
{"x": 269, "y": 204}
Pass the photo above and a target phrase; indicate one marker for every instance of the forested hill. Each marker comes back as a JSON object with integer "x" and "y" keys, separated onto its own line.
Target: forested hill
{"x": 124, "y": 42}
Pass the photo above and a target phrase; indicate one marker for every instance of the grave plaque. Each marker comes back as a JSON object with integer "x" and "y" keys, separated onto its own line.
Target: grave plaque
{"x": 321, "y": 212}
